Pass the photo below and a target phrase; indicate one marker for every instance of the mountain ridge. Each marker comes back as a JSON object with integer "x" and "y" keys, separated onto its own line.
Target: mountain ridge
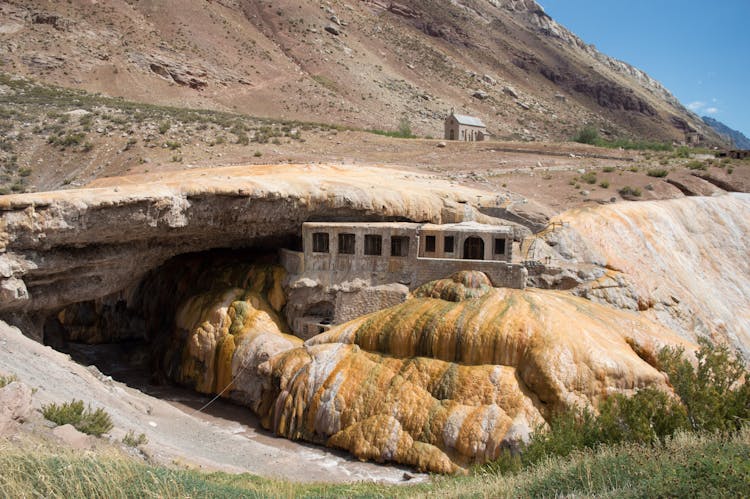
{"x": 357, "y": 63}
{"x": 738, "y": 138}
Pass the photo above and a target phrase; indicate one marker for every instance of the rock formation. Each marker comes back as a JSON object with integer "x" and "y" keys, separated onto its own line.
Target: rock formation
{"x": 65, "y": 247}
{"x": 437, "y": 383}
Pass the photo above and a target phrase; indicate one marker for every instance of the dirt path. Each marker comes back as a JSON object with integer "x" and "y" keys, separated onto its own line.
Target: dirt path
{"x": 225, "y": 437}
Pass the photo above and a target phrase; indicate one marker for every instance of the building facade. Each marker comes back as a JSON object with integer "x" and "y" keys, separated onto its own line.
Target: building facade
{"x": 346, "y": 270}
{"x": 465, "y": 128}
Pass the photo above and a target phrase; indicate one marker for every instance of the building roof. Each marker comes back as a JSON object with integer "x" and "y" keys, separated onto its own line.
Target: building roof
{"x": 468, "y": 120}
{"x": 469, "y": 226}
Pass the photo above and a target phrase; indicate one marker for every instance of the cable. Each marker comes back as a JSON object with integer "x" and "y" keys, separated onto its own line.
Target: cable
{"x": 244, "y": 366}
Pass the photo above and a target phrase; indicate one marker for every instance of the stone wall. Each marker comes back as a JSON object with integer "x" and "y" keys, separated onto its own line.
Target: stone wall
{"x": 367, "y": 300}
{"x": 502, "y": 275}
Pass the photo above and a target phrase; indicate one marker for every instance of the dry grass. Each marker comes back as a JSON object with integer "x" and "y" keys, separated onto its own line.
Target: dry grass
{"x": 687, "y": 465}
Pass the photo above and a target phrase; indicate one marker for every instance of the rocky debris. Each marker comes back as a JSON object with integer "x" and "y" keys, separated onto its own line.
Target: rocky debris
{"x": 42, "y": 61}
{"x": 15, "y": 406}
{"x": 488, "y": 79}
{"x": 441, "y": 144}
{"x": 510, "y": 91}
{"x": 334, "y": 30}
{"x": 480, "y": 94}
{"x": 171, "y": 70}
{"x": 50, "y": 19}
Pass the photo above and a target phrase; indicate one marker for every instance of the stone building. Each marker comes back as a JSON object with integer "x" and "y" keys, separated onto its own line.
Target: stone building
{"x": 346, "y": 270}
{"x": 466, "y": 128}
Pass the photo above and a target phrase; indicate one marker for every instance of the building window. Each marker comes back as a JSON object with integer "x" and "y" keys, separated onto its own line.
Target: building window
{"x": 320, "y": 242}
{"x": 429, "y": 244}
{"x": 399, "y": 246}
{"x": 373, "y": 244}
{"x": 346, "y": 244}
{"x": 448, "y": 243}
{"x": 499, "y": 246}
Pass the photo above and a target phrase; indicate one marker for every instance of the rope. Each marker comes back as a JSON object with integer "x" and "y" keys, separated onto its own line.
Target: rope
{"x": 244, "y": 366}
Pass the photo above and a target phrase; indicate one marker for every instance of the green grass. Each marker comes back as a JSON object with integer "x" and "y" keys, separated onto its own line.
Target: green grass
{"x": 687, "y": 465}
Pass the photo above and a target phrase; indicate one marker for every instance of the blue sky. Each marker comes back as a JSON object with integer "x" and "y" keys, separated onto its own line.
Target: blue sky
{"x": 698, "y": 49}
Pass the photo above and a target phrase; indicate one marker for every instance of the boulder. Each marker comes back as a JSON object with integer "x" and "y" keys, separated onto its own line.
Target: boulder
{"x": 15, "y": 406}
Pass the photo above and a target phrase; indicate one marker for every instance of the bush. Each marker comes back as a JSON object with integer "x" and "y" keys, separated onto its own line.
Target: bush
{"x": 132, "y": 441}
{"x": 628, "y": 191}
{"x": 587, "y": 135}
{"x": 716, "y": 393}
{"x": 714, "y": 396}
{"x": 6, "y": 380}
{"x": 604, "y": 184}
{"x": 696, "y": 165}
{"x": 608, "y": 169}
{"x": 83, "y": 418}
{"x": 589, "y": 178}
{"x": 657, "y": 172}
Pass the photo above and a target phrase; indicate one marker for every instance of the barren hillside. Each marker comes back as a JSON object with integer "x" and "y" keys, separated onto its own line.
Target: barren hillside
{"x": 366, "y": 63}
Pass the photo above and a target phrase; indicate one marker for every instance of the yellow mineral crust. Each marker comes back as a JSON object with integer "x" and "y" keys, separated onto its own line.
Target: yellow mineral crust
{"x": 446, "y": 379}
{"x": 228, "y": 334}
{"x": 333, "y": 393}
{"x": 566, "y": 349}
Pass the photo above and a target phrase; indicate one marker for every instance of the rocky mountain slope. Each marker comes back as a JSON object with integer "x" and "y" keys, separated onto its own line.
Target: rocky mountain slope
{"x": 366, "y": 63}
{"x": 738, "y": 138}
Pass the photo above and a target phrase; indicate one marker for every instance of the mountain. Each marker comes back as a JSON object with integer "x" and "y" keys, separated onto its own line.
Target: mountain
{"x": 739, "y": 139}
{"x": 366, "y": 63}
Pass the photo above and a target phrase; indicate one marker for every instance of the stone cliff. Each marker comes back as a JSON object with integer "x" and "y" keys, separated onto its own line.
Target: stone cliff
{"x": 65, "y": 247}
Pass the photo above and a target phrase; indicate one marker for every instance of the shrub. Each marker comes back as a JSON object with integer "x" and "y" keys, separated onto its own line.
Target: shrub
{"x": 587, "y": 135}
{"x": 716, "y": 393}
{"x": 696, "y": 165}
{"x": 94, "y": 422}
{"x": 682, "y": 152}
{"x": 132, "y": 441}
{"x": 657, "y": 172}
{"x": 164, "y": 127}
{"x": 589, "y": 178}
{"x": 6, "y": 380}
{"x": 604, "y": 184}
{"x": 608, "y": 169}
{"x": 258, "y": 154}
{"x": 630, "y": 191}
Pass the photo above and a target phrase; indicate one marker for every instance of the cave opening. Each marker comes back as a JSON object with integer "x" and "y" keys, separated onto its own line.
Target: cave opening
{"x": 127, "y": 335}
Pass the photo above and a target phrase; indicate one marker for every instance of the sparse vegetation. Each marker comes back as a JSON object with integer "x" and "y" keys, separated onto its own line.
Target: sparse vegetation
{"x": 93, "y": 422}
{"x": 628, "y": 191}
{"x": 696, "y": 165}
{"x": 608, "y": 169}
{"x": 590, "y": 135}
{"x": 657, "y": 172}
{"x": 131, "y": 440}
{"x": 403, "y": 131}
{"x": 6, "y": 379}
{"x": 604, "y": 184}
{"x": 589, "y": 177}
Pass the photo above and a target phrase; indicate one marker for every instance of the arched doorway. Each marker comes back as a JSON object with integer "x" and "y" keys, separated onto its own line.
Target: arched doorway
{"x": 452, "y": 134}
{"x": 473, "y": 248}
